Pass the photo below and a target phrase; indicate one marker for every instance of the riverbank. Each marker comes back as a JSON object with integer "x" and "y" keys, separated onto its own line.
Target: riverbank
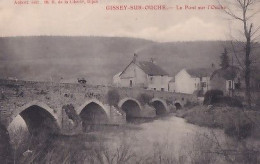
{"x": 236, "y": 122}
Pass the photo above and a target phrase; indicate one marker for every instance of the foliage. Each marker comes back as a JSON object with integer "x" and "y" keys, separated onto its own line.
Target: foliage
{"x": 229, "y": 101}
{"x": 5, "y": 147}
{"x": 198, "y": 93}
{"x": 12, "y": 86}
{"x": 215, "y": 97}
{"x": 190, "y": 104}
{"x": 71, "y": 113}
{"x": 113, "y": 97}
{"x": 144, "y": 98}
{"x": 211, "y": 96}
{"x": 224, "y": 59}
{"x": 236, "y": 123}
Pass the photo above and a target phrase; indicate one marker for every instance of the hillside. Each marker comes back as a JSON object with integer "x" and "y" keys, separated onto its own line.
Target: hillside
{"x": 96, "y": 58}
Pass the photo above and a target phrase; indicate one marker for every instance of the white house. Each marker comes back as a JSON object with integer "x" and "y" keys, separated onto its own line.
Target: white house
{"x": 172, "y": 85}
{"x": 116, "y": 79}
{"x": 145, "y": 74}
{"x": 226, "y": 79}
{"x": 190, "y": 80}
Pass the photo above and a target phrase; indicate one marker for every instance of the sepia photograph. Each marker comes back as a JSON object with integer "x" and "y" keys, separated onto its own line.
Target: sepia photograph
{"x": 129, "y": 82}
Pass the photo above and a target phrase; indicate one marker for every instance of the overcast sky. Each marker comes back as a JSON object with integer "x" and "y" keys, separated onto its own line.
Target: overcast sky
{"x": 95, "y": 20}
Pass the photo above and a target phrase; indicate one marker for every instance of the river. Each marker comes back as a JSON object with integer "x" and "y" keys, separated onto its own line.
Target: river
{"x": 170, "y": 135}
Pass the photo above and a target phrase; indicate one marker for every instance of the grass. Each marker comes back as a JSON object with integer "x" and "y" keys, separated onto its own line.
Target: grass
{"x": 236, "y": 122}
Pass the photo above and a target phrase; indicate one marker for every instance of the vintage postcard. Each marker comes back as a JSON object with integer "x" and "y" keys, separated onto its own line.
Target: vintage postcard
{"x": 129, "y": 81}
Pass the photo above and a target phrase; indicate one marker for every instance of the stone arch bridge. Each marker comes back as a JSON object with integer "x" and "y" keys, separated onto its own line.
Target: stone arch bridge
{"x": 66, "y": 108}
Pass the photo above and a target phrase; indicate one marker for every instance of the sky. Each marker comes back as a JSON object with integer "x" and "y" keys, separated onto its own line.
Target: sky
{"x": 95, "y": 20}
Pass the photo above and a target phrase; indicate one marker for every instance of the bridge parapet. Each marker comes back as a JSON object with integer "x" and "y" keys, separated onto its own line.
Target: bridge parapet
{"x": 169, "y": 97}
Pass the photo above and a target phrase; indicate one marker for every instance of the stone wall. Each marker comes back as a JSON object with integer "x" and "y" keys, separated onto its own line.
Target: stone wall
{"x": 16, "y": 94}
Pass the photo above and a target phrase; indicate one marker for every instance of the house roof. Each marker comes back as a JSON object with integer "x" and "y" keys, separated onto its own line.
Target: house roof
{"x": 150, "y": 68}
{"x": 200, "y": 72}
{"x": 228, "y": 73}
{"x": 118, "y": 74}
{"x": 172, "y": 80}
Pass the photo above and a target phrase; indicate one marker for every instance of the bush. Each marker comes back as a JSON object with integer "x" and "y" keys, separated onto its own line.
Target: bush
{"x": 144, "y": 98}
{"x": 229, "y": 101}
{"x": 71, "y": 113}
{"x": 216, "y": 97}
{"x": 198, "y": 93}
{"x": 237, "y": 125}
{"x": 113, "y": 97}
{"x": 240, "y": 131}
{"x": 211, "y": 96}
{"x": 5, "y": 147}
{"x": 190, "y": 104}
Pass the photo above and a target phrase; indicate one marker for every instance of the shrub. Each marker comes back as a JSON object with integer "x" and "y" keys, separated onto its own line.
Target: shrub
{"x": 3, "y": 97}
{"x": 198, "y": 93}
{"x": 144, "y": 98}
{"x": 211, "y": 96}
{"x": 241, "y": 131}
{"x": 5, "y": 147}
{"x": 238, "y": 125}
{"x": 71, "y": 113}
{"x": 229, "y": 101}
{"x": 113, "y": 97}
{"x": 190, "y": 104}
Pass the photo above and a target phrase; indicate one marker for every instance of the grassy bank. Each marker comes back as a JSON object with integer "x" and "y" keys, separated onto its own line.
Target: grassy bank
{"x": 236, "y": 122}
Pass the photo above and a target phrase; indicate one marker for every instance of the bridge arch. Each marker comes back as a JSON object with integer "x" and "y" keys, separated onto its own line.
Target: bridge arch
{"x": 131, "y": 107}
{"x": 159, "y": 105}
{"x": 39, "y": 118}
{"x": 92, "y": 113}
{"x": 178, "y": 104}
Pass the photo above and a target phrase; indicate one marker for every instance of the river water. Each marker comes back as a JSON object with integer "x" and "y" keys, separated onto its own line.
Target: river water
{"x": 169, "y": 135}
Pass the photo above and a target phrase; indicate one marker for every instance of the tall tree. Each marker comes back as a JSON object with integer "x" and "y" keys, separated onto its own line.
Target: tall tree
{"x": 224, "y": 59}
{"x": 244, "y": 11}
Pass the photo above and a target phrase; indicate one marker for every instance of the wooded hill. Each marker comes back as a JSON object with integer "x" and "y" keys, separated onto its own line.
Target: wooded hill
{"x": 98, "y": 58}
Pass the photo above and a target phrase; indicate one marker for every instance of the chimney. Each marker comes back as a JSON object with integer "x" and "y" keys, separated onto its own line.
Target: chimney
{"x": 135, "y": 57}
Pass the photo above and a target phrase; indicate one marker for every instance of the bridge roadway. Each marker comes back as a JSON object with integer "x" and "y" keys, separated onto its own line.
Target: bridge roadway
{"x": 71, "y": 108}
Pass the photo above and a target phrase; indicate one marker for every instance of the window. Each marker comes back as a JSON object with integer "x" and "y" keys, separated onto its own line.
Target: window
{"x": 237, "y": 85}
{"x": 203, "y": 84}
{"x": 230, "y": 84}
{"x": 154, "y": 89}
{"x": 131, "y": 83}
{"x": 151, "y": 79}
{"x": 162, "y": 89}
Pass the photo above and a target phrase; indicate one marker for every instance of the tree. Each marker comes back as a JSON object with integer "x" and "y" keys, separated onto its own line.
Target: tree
{"x": 113, "y": 97}
{"x": 144, "y": 98}
{"x": 224, "y": 59}
{"x": 243, "y": 11}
